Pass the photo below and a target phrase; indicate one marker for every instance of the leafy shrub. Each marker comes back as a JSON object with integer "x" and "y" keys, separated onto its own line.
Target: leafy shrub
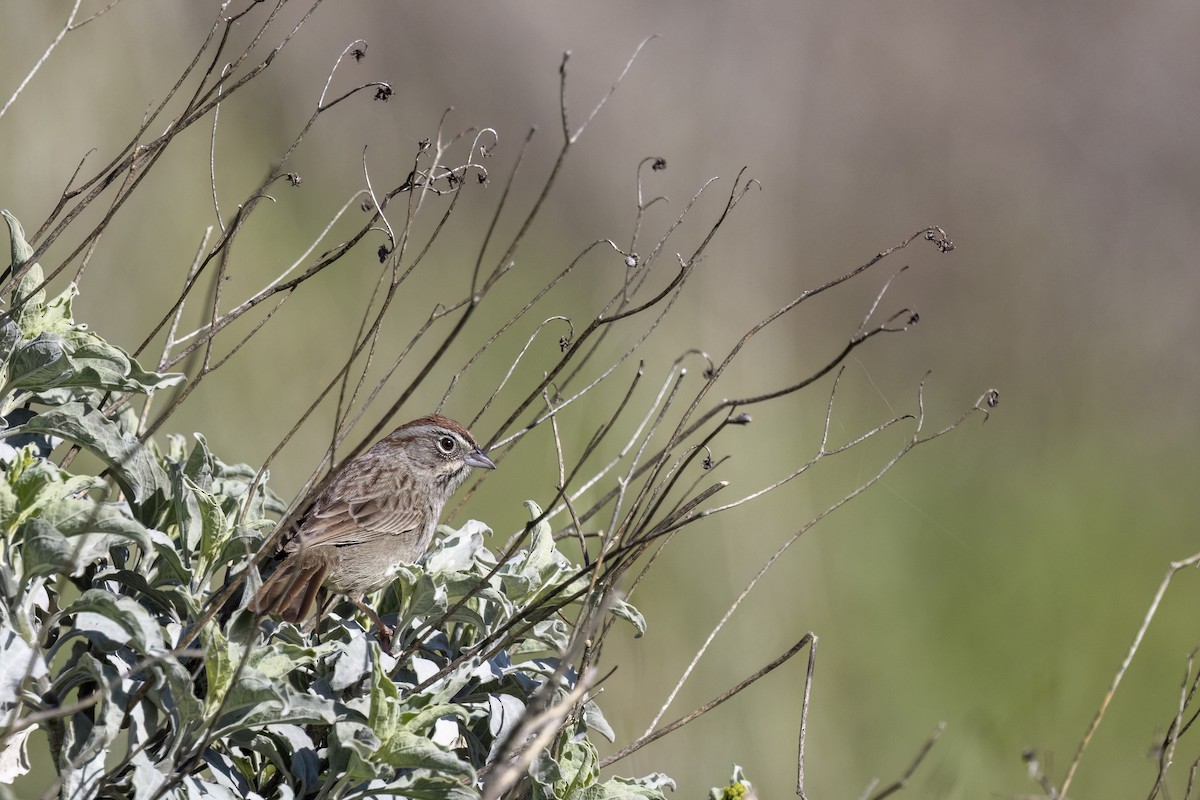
{"x": 103, "y": 592}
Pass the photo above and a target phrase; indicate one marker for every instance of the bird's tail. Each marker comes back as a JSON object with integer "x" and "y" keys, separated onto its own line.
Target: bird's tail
{"x": 291, "y": 590}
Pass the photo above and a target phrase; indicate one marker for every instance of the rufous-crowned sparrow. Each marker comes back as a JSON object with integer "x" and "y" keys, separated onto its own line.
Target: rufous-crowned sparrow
{"x": 379, "y": 511}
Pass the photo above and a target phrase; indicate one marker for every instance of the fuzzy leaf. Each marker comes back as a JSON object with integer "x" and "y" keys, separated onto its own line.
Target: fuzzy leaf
{"x": 455, "y": 550}
{"x": 504, "y": 712}
{"x": 112, "y": 621}
{"x": 17, "y": 663}
{"x": 32, "y": 302}
{"x": 39, "y": 364}
{"x": 407, "y": 750}
{"x": 649, "y": 787}
{"x": 14, "y": 760}
{"x": 593, "y": 717}
{"x": 41, "y": 445}
{"x": 352, "y": 665}
{"x": 133, "y": 466}
{"x": 47, "y": 551}
{"x": 626, "y": 611}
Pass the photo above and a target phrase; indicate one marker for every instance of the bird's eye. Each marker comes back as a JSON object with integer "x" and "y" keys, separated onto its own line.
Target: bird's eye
{"x": 446, "y": 444}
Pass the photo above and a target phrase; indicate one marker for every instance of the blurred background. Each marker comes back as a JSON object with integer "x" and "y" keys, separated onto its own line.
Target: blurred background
{"x": 996, "y": 577}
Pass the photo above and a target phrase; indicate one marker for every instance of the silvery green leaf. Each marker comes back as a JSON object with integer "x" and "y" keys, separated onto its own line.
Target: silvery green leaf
{"x": 593, "y": 717}
{"x": 39, "y": 484}
{"x": 14, "y": 760}
{"x": 146, "y": 779}
{"x": 504, "y": 712}
{"x": 493, "y": 669}
{"x": 42, "y": 444}
{"x": 425, "y": 597}
{"x": 424, "y": 785}
{"x": 214, "y": 528}
{"x": 455, "y": 550}
{"x": 424, "y": 668}
{"x": 179, "y": 699}
{"x": 91, "y": 734}
{"x": 407, "y": 750}
{"x": 133, "y": 466}
{"x": 199, "y": 789}
{"x": 18, "y": 662}
{"x": 46, "y": 551}
{"x": 106, "y": 618}
{"x": 548, "y": 635}
{"x": 545, "y": 773}
{"x": 199, "y": 466}
{"x": 167, "y": 598}
{"x": 79, "y": 769}
{"x": 578, "y": 764}
{"x": 445, "y": 733}
{"x": 302, "y": 763}
{"x": 352, "y": 665}
{"x": 222, "y": 768}
{"x": 38, "y": 363}
{"x": 32, "y": 301}
{"x": 279, "y": 658}
{"x": 626, "y": 611}
{"x": 351, "y": 745}
{"x": 10, "y": 335}
{"x": 255, "y": 701}
{"x": 72, "y": 534}
{"x": 100, "y": 365}
{"x": 648, "y": 787}
{"x": 166, "y": 565}
{"x": 421, "y": 719}
{"x": 534, "y": 570}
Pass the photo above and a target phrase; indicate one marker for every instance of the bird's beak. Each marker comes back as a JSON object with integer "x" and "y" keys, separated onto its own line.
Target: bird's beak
{"x": 478, "y": 459}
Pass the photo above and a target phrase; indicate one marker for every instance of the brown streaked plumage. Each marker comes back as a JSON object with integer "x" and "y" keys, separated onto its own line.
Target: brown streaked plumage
{"x": 380, "y": 510}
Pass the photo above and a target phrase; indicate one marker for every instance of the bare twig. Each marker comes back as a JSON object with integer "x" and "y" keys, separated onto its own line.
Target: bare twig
{"x": 902, "y": 781}
{"x": 1175, "y": 567}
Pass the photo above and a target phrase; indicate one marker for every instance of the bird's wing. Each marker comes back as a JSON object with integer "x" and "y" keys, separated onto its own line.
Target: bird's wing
{"x": 361, "y": 511}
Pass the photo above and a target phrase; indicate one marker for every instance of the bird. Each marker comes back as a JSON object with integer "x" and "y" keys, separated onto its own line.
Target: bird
{"x": 379, "y": 511}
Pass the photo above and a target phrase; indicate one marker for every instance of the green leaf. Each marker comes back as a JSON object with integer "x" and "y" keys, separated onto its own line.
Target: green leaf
{"x": 407, "y": 750}
{"x": 455, "y": 550}
{"x": 352, "y": 664}
{"x": 256, "y": 700}
{"x": 738, "y": 787}
{"x": 280, "y": 658}
{"x": 169, "y": 598}
{"x": 38, "y": 364}
{"x": 199, "y": 466}
{"x": 166, "y": 566}
{"x": 79, "y": 358}
{"x": 134, "y": 467}
{"x": 34, "y": 484}
{"x": 536, "y": 569}
{"x": 112, "y": 621}
{"x": 179, "y": 698}
{"x": 91, "y": 734}
{"x": 33, "y": 305}
{"x": 593, "y": 717}
{"x": 626, "y": 611}
{"x": 578, "y": 763}
{"x": 14, "y": 760}
{"x": 649, "y": 787}
{"x": 18, "y": 663}
{"x": 504, "y": 712}
{"x": 352, "y": 745}
{"x": 84, "y": 517}
{"x": 401, "y": 729}
{"x": 45, "y": 550}
{"x": 214, "y": 528}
